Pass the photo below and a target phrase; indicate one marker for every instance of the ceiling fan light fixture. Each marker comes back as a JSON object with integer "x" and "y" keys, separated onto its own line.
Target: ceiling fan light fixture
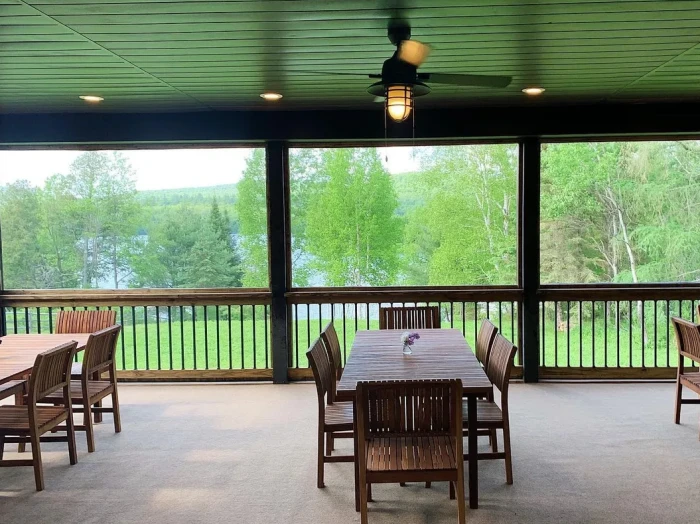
{"x": 399, "y": 101}
{"x": 93, "y": 99}
{"x": 533, "y": 91}
{"x": 270, "y": 96}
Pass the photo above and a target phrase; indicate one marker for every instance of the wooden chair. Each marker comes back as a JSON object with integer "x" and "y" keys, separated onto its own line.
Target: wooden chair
{"x": 51, "y": 373}
{"x": 418, "y": 317}
{"x": 489, "y": 416}
{"x": 330, "y": 340}
{"x": 410, "y": 431}
{"x": 84, "y": 321}
{"x": 484, "y": 341}
{"x": 334, "y": 418}
{"x": 99, "y": 357}
{"x": 688, "y": 342}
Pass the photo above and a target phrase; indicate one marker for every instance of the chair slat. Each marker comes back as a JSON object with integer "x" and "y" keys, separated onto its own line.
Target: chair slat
{"x": 418, "y": 317}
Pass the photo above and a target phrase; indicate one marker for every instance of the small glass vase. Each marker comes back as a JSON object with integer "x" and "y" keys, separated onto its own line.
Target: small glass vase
{"x": 407, "y": 349}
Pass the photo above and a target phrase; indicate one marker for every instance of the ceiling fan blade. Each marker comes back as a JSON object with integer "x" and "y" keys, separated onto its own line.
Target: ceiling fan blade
{"x": 413, "y": 52}
{"x": 334, "y": 73}
{"x": 466, "y": 80}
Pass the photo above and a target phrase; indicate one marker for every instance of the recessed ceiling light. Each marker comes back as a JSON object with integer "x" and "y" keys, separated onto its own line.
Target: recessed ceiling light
{"x": 92, "y": 98}
{"x": 533, "y": 91}
{"x": 271, "y": 96}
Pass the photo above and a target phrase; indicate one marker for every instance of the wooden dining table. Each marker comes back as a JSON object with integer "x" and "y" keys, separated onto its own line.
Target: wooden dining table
{"x": 438, "y": 354}
{"x": 18, "y": 352}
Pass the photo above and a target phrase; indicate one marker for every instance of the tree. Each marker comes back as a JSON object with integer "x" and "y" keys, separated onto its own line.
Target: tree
{"x": 221, "y": 226}
{"x": 352, "y": 230}
{"x": 252, "y": 217}
{"x": 464, "y": 232}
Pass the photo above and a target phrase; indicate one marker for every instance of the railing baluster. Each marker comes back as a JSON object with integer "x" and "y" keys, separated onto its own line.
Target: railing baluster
{"x": 182, "y": 337}
{"x": 267, "y": 349}
{"x": 170, "y": 338}
{"x": 556, "y": 335}
{"x": 206, "y": 336}
{"x": 123, "y": 337}
{"x": 240, "y": 307}
{"x": 605, "y": 333}
{"x": 593, "y": 333}
{"x": 158, "y": 335}
{"x": 194, "y": 335}
{"x": 218, "y": 338}
{"x": 656, "y": 364}
{"x": 296, "y": 335}
{"x": 145, "y": 329}
{"x": 230, "y": 338}
{"x": 255, "y": 342}
{"x": 631, "y": 364}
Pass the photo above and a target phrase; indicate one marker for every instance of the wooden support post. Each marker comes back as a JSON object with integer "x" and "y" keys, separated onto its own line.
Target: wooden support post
{"x": 277, "y": 163}
{"x": 529, "y": 256}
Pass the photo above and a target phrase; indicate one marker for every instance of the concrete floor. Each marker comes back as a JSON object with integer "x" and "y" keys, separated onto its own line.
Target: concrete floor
{"x": 590, "y": 453}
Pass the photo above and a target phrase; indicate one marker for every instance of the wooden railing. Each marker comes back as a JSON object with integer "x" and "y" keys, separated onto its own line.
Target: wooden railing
{"x": 167, "y": 334}
{"x": 585, "y": 332}
{"x": 351, "y": 309}
{"x": 612, "y": 331}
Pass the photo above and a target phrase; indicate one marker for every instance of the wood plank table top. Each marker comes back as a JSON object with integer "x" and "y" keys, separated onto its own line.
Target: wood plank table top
{"x": 18, "y": 352}
{"x": 438, "y": 354}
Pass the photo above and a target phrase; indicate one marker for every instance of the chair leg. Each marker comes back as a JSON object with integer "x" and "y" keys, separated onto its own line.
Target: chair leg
{"x": 461, "y": 506}
{"x": 369, "y": 493}
{"x": 70, "y": 436}
{"x": 493, "y": 438}
{"x": 428, "y": 484}
{"x": 19, "y": 401}
{"x": 320, "y": 464}
{"x": 329, "y": 444}
{"x": 452, "y": 490}
{"x": 89, "y": 430}
{"x": 506, "y": 448}
{"x": 679, "y": 396}
{"x": 36, "y": 462}
{"x": 363, "y": 497}
{"x": 2, "y": 445}
{"x": 115, "y": 412}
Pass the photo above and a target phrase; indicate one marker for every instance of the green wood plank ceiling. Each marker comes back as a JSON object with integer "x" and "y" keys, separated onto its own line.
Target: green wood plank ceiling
{"x": 150, "y": 55}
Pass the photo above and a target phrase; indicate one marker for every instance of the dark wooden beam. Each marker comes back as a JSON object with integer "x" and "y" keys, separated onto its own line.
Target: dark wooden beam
{"x": 459, "y": 123}
{"x": 529, "y": 256}
{"x": 276, "y": 162}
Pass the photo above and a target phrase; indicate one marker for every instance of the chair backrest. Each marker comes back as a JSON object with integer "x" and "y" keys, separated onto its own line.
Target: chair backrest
{"x": 321, "y": 367}
{"x": 417, "y": 317}
{"x": 330, "y": 339}
{"x": 687, "y": 339}
{"x": 100, "y": 350}
{"x": 484, "y": 341}
{"x": 84, "y": 321}
{"x": 51, "y": 371}
{"x": 501, "y": 363}
{"x": 409, "y": 408}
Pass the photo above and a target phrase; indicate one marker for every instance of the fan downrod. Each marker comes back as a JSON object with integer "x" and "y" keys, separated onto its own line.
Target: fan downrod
{"x": 398, "y": 31}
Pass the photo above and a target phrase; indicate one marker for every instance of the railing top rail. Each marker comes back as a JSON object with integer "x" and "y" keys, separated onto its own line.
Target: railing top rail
{"x": 404, "y": 294}
{"x": 133, "y": 297}
{"x": 689, "y": 291}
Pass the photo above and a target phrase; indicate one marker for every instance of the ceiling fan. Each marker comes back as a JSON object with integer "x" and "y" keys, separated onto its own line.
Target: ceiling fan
{"x": 400, "y": 81}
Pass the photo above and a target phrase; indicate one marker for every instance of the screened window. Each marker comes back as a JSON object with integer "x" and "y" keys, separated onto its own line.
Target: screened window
{"x": 188, "y": 218}
{"x": 404, "y": 216}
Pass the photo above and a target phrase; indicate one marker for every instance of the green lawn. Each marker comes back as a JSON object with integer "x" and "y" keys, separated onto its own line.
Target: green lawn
{"x": 241, "y": 343}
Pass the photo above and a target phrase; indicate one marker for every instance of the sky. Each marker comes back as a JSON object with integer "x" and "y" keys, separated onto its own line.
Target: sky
{"x": 165, "y": 168}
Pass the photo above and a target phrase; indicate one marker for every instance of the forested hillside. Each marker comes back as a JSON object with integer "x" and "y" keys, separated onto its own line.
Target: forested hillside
{"x": 611, "y": 212}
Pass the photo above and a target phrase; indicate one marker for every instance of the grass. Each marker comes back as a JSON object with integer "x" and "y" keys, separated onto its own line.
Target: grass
{"x": 236, "y": 341}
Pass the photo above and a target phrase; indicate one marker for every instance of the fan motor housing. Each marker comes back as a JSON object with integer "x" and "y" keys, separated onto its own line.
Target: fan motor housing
{"x": 398, "y": 72}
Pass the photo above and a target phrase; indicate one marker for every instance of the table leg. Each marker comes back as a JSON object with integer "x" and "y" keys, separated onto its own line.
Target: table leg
{"x": 356, "y": 462}
{"x": 472, "y": 450}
